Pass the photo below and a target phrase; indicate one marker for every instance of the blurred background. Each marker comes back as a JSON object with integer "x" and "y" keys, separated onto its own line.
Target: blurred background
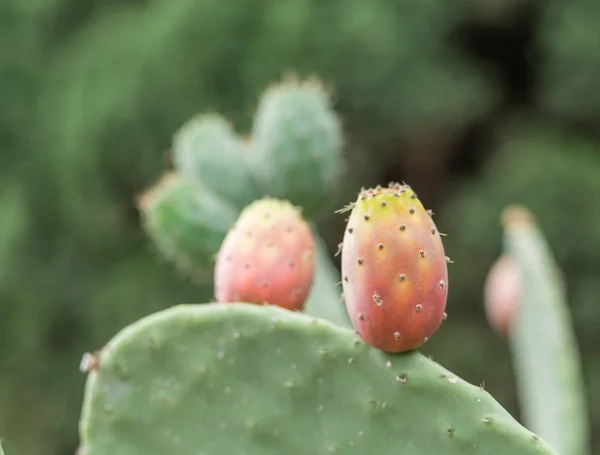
{"x": 474, "y": 103}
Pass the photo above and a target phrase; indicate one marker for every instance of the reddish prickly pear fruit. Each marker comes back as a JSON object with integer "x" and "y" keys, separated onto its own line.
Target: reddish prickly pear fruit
{"x": 394, "y": 269}
{"x": 502, "y": 294}
{"x": 268, "y": 257}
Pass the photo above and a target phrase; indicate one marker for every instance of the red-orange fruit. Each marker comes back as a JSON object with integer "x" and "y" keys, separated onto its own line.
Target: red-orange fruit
{"x": 267, "y": 258}
{"x": 502, "y": 294}
{"x": 394, "y": 269}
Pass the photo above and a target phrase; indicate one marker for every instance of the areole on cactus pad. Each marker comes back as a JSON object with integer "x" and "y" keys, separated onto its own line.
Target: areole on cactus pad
{"x": 394, "y": 269}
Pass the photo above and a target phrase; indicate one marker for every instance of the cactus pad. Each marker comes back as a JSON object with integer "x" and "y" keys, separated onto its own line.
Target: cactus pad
{"x": 187, "y": 222}
{"x": 324, "y": 300}
{"x": 297, "y": 145}
{"x": 247, "y": 379}
{"x": 546, "y": 357}
{"x": 207, "y": 149}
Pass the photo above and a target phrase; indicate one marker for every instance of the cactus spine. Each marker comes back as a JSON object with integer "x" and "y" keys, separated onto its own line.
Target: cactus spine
{"x": 543, "y": 345}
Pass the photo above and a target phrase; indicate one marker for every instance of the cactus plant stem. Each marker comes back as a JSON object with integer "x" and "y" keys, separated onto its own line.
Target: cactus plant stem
{"x": 324, "y": 300}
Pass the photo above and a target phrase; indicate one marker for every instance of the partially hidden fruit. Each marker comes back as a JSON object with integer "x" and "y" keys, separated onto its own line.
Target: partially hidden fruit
{"x": 394, "y": 269}
{"x": 268, "y": 257}
{"x": 502, "y": 293}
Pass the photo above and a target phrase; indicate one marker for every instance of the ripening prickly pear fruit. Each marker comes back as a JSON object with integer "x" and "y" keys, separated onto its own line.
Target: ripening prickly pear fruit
{"x": 502, "y": 294}
{"x": 268, "y": 257}
{"x": 394, "y": 269}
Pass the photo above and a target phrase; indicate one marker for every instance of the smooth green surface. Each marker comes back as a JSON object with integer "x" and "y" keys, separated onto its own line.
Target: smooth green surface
{"x": 297, "y": 145}
{"x": 324, "y": 300}
{"x": 247, "y": 379}
{"x": 208, "y": 149}
{"x": 544, "y": 348}
{"x": 187, "y": 222}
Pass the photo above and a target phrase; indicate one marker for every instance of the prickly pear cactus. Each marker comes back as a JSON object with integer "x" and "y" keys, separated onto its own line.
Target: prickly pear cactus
{"x": 242, "y": 378}
{"x": 294, "y": 154}
{"x": 186, "y": 222}
{"x": 268, "y": 257}
{"x": 297, "y": 145}
{"x": 394, "y": 271}
{"x": 543, "y": 344}
{"x": 208, "y": 149}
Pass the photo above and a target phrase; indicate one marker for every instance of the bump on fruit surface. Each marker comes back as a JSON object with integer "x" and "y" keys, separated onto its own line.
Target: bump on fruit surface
{"x": 394, "y": 269}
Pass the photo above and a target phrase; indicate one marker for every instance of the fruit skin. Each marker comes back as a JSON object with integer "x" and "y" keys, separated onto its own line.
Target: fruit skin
{"x": 394, "y": 269}
{"x": 213, "y": 379}
{"x": 268, "y": 257}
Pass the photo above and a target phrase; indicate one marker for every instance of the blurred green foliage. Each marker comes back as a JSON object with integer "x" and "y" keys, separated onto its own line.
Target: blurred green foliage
{"x": 569, "y": 47}
{"x": 92, "y": 93}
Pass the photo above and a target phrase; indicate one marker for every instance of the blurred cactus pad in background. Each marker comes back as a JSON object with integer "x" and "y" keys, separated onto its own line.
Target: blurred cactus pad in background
{"x": 133, "y": 134}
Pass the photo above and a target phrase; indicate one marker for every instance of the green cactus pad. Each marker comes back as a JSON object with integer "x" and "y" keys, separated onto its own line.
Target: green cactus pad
{"x": 208, "y": 149}
{"x": 186, "y": 222}
{"x": 247, "y": 379}
{"x": 297, "y": 145}
{"x": 324, "y": 300}
{"x": 543, "y": 344}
